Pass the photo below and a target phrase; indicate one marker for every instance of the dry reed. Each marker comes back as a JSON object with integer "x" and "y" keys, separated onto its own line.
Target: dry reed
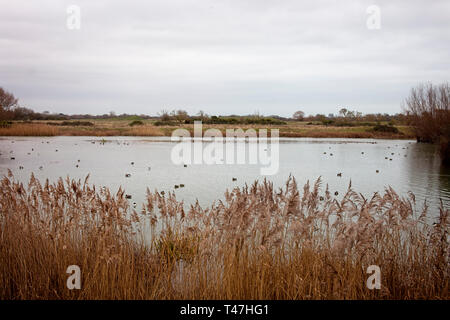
{"x": 117, "y": 128}
{"x": 144, "y": 131}
{"x": 33, "y": 129}
{"x": 259, "y": 243}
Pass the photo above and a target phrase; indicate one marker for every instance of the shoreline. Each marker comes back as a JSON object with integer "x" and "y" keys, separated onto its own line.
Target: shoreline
{"x": 101, "y": 128}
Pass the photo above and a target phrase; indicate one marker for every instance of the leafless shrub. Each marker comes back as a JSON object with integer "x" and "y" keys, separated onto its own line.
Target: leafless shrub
{"x": 429, "y": 107}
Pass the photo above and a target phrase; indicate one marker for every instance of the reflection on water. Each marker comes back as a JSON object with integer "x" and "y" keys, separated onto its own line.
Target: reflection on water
{"x": 403, "y": 165}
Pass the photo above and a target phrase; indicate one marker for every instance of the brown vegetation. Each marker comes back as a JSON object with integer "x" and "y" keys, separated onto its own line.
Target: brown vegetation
{"x": 29, "y": 129}
{"x": 7, "y": 102}
{"x": 122, "y": 128}
{"x": 144, "y": 131}
{"x": 259, "y": 243}
{"x": 429, "y": 108}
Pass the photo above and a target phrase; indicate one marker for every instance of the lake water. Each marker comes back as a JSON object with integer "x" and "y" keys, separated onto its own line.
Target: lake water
{"x": 414, "y": 167}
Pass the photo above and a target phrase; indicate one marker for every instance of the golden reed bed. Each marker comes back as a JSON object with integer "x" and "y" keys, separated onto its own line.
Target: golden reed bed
{"x": 40, "y": 129}
{"x": 259, "y": 243}
{"x": 32, "y": 129}
{"x": 104, "y": 129}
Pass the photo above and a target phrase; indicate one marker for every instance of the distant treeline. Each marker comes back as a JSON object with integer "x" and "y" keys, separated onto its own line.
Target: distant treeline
{"x": 344, "y": 118}
{"x": 11, "y": 110}
{"x": 238, "y": 120}
{"x": 21, "y": 113}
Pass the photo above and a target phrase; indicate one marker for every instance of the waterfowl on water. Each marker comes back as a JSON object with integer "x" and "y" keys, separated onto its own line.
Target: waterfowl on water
{"x": 127, "y": 175}
{"x": 339, "y": 174}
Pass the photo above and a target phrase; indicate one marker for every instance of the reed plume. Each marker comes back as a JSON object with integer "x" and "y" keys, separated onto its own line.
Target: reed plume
{"x": 257, "y": 243}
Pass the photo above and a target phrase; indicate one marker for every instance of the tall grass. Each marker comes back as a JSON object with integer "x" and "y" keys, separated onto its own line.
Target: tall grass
{"x": 43, "y": 129}
{"x": 259, "y": 243}
{"x": 117, "y": 128}
{"x": 144, "y": 131}
{"x": 33, "y": 129}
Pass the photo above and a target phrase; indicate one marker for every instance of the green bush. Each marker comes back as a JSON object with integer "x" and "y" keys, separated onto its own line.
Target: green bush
{"x": 384, "y": 128}
{"x": 165, "y": 123}
{"x": 136, "y": 123}
{"x": 238, "y": 120}
{"x": 327, "y": 122}
{"x": 72, "y": 123}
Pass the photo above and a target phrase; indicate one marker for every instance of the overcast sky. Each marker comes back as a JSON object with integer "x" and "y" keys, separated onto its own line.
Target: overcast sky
{"x": 221, "y": 56}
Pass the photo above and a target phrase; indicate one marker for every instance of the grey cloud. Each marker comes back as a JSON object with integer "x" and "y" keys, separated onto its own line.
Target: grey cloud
{"x": 221, "y": 56}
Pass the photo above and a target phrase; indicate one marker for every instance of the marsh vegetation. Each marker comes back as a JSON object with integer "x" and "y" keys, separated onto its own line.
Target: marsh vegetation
{"x": 259, "y": 243}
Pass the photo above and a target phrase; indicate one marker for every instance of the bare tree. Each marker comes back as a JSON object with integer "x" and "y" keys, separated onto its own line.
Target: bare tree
{"x": 298, "y": 115}
{"x": 164, "y": 115}
{"x": 343, "y": 112}
{"x": 180, "y": 115}
{"x": 428, "y": 106}
{"x": 7, "y": 103}
{"x": 202, "y": 115}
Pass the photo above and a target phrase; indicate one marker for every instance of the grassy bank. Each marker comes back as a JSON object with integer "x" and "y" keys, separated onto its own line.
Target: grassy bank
{"x": 104, "y": 127}
{"x": 259, "y": 243}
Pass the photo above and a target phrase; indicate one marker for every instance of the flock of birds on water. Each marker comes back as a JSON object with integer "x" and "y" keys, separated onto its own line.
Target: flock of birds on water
{"x": 181, "y": 185}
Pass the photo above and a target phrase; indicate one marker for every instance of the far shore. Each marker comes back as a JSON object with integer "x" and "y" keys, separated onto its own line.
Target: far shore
{"x": 107, "y": 127}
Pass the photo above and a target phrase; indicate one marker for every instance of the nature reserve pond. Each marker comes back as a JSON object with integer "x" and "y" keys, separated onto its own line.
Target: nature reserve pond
{"x": 414, "y": 167}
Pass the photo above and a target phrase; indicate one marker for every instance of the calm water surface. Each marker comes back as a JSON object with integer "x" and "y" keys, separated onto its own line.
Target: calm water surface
{"x": 414, "y": 167}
